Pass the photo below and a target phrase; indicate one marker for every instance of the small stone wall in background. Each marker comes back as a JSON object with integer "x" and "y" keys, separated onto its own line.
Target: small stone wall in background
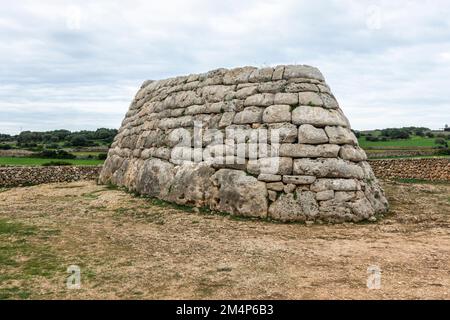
{"x": 424, "y": 169}
{"x": 23, "y": 176}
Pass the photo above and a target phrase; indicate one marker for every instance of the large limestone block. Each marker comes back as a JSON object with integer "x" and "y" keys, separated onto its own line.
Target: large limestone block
{"x": 249, "y": 115}
{"x": 317, "y": 116}
{"x": 261, "y": 99}
{"x": 308, "y": 134}
{"x": 332, "y": 168}
{"x": 309, "y": 151}
{"x": 302, "y": 71}
{"x": 238, "y": 193}
{"x": 298, "y": 206}
{"x": 282, "y": 132}
{"x": 191, "y": 185}
{"x": 155, "y": 177}
{"x": 309, "y": 99}
{"x": 352, "y": 153}
{"x": 286, "y": 98}
{"x": 238, "y": 75}
{"x": 339, "y": 135}
{"x": 277, "y": 113}
{"x": 274, "y": 165}
{"x": 335, "y": 184}
{"x": 261, "y": 75}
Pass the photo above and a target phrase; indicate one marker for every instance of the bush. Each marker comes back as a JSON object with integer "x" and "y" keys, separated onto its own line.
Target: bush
{"x": 58, "y": 154}
{"x": 443, "y": 152}
{"x": 430, "y": 134}
{"x": 5, "y": 147}
{"x": 102, "y": 156}
{"x": 441, "y": 141}
{"x": 56, "y": 163}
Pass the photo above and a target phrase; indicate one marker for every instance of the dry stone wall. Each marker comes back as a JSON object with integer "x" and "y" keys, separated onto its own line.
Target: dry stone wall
{"x": 421, "y": 169}
{"x": 25, "y": 176}
{"x": 268, "y": 143}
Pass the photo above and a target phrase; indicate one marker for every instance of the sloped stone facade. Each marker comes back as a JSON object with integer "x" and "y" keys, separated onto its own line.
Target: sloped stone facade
{"x": 267, "y": 143}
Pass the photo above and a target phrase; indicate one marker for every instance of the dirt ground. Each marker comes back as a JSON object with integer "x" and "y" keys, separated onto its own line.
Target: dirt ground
{"x": 134, "y": 248}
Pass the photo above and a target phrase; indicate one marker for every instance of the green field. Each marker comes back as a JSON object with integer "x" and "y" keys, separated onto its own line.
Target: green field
{"x": 412, "y": 142}
{"x": 12, "y": 161}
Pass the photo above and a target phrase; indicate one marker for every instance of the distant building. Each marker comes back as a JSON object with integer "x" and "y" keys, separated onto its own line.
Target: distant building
{"x": 446, "y": 128}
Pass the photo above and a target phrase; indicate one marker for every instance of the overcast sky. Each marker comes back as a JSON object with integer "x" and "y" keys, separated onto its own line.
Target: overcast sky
{"x": 77, "y": 64}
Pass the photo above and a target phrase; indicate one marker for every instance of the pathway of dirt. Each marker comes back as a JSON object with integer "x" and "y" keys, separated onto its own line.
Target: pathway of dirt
{"x": 130, "y": 248}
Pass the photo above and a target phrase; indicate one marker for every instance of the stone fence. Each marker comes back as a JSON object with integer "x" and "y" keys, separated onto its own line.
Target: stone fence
{"x": 23, "y": 176}
{"x": 424, "y": 169}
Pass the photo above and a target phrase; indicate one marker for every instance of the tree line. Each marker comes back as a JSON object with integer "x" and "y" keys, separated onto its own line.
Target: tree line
{"x": 56, "y": 138}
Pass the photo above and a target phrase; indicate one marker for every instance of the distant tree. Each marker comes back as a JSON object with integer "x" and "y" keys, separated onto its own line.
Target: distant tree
{"x": 356, "y": 133}
{"x": 79, "y": 140}
{"x": 441, "y": 142}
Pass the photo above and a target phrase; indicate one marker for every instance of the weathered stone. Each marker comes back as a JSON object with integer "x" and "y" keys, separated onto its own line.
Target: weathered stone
{"x": 333, "y": 168}
{"x": 261, "y": 75}
{"x": 318, "y": 117}
{"x": 275, "y": 186}
{"x": 301, "y": 87}
{"x": 238, "y": 75}
{"x": 215, "y": 93}
{"x": 278, "y": 73}
{"x": 308, "y": 134}
{"x": 277, "y": 165}
{"x": 272, "y": 87}
{"x": 282, "y": 133}
{"x": 227, "y": 119}
{"x": 269, "y": 177}
{"x": 286, "y": 98}
{"x": 155, "y": 177}
{"x": 309, "y": 99}
{"x": 277, "y": 113}
{"x": 239, "y": 193}
{"x": 246, "y": 92}
{"x": 352, "y": 153}
{"x": 302, "y": 71}
{"x": 325, "y": 195}
{"x": 335, "y": 184}
{"x": 299, "y": 179}
{"x": 329, "y": 101}
{"x": 249, "y": 115}
{"x": 191, "y": 185}
{"x": 339, "y": 135}
{"x": 260, "y": 99}
{"x": 289, "y": 188}
{"x": 300, "y": 207}
{"x": 272, "y": 195}
{"x": 309, "y": 151}
{"x": 344, "y": 196}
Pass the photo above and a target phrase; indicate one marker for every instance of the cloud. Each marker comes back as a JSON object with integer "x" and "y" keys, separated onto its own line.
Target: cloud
{"x": 77, "y": 64}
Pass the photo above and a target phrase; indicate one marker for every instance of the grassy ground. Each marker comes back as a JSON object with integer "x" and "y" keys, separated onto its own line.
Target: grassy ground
{"x": 412, "y": 142}
{"x": 134, "y": 248}
{"x": 13, "y": 161}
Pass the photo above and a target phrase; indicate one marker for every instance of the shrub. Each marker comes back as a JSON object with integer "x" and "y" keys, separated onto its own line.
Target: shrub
{"x": 430, "y": 134}
{"x": 58, "y": 154}
{"x": 5, "y": 147}
{"x": 102, "y": 156}
{"x": 56, "y": 163}
{"x": 441, "y": 141}
{"x": 443, "y": 152}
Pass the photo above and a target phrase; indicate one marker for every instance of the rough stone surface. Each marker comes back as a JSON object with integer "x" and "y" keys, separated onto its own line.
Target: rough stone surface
{"x": 266, "y": 143}
{"x": 309, "y": 134}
